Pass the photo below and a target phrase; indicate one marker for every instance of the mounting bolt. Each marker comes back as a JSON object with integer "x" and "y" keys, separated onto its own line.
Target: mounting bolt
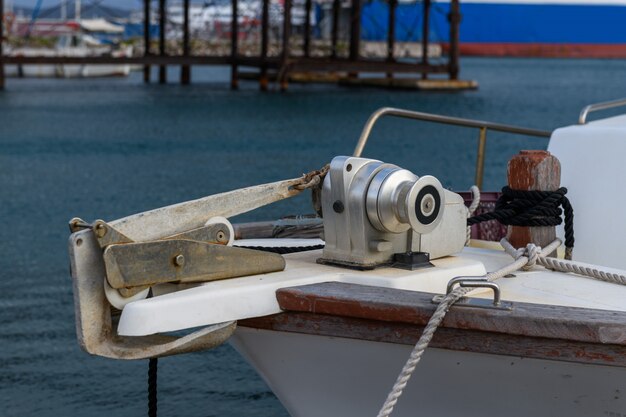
{"x": 101, "y": 230}
{"x": 179, "y": 260}
{"x": 221, "y": 236}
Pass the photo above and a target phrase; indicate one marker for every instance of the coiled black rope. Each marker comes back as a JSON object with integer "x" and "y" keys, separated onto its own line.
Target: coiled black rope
{"x": 152, "y": 387}
{"x": 532, "y": 208}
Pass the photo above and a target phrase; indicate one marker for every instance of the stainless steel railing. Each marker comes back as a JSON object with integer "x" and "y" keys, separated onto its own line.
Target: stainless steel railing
{"x": 582, "y": 119}
{"x": 448, "y": 120}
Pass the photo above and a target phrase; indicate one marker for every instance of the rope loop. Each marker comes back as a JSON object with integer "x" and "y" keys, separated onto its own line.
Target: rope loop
{"x": 532, "y": 252}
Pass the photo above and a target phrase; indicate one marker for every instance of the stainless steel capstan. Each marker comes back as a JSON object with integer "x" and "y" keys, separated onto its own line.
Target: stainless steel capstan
{"x": 377, "y": 213}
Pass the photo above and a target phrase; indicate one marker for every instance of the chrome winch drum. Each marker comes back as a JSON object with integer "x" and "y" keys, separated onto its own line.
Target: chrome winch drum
{"x": 397, "y": 200}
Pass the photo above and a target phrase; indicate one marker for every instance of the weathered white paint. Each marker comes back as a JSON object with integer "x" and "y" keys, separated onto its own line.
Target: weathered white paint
{"x": 254, "y": 296}
{"x": 324, "y": 376}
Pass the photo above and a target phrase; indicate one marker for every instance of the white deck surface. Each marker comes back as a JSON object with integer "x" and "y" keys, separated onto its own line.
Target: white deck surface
{"x": 254, "y": 296}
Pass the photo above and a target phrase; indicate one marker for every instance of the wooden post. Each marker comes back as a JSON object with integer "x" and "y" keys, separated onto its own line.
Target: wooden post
{"x": 391, "y": 33}
{"x": 265, "y": 21}
{"x": 335, "y": 28}
{"x": 1, "y": 43}
{"x": 162, "y": 68}
{"x": 185, "y": 70}
{"x": 425, "y": 35}
{"x": 146, "y": 39}
{"x": 234, "y": 40}
{"x": 307, "y": 28}
{"x": 284, "y": 76}
{"x": 455, "y": 20}
{"x": 533, "y": 170}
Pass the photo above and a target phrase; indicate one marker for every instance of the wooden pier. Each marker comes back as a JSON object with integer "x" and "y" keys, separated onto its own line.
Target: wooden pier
{"x": 343, "y": 63}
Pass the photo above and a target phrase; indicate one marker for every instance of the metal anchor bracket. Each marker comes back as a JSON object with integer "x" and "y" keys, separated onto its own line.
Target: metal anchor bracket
{"x": 179, "y": 260}
{"x": 182, "y": 242}
{"x": 473, "y": 282}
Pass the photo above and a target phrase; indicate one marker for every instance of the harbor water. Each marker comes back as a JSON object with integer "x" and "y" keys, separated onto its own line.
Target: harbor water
{"x": 107, "y": 148}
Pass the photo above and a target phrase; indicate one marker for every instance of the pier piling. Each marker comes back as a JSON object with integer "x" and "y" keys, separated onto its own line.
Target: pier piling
{"x": 185, "y": 70}
{"x": 391, "y": 34}
{"x": 354, "y": 49}
{"x": 234, "y": 40}
{"x": 306, "y": 46}
{"x": 425, "y": 35}
{"x": 284, "y": 66}
{"x": 337, "y": 57}
{"x": 335, "y": 28}
{"x": 146, "y": 39}
{"x": 263, "y": 80}
{"x": 455, "y": 21}
{"x": 162, "y": 68}
{"x": 1, "y": 43}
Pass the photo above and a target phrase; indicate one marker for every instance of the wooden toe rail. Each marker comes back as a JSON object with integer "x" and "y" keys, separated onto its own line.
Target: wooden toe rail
{"x": 398, "y": 316}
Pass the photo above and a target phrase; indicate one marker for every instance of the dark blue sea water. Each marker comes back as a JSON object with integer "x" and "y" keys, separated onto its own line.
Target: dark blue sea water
{"x": 108, "y": 148}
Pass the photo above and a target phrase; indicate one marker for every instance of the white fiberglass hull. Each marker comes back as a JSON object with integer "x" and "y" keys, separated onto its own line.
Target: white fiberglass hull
{"x": 68, "y": 71}
{"x": 327, "y": 376}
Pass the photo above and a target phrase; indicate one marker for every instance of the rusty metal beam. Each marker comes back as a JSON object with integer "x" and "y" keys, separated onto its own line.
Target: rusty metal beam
{"x": 234, "y": 44}
{"x": 455, "y": 20}
{"x": 162, "y": 68}
{"x": 425, "y": 34}
{"x": 146, "y": 39}
{"x": 185, "y": 70}
{"x": 265, "y": 21}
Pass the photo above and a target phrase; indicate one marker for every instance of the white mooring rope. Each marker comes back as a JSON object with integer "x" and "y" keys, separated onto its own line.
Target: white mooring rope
{"x": 525, "y": 258}
{"x": 564, "y": 265}
{"x": 471, "y": 209}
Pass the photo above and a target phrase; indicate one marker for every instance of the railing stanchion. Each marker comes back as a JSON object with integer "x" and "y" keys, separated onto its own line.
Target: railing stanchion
{"x": 480, "y": 157}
